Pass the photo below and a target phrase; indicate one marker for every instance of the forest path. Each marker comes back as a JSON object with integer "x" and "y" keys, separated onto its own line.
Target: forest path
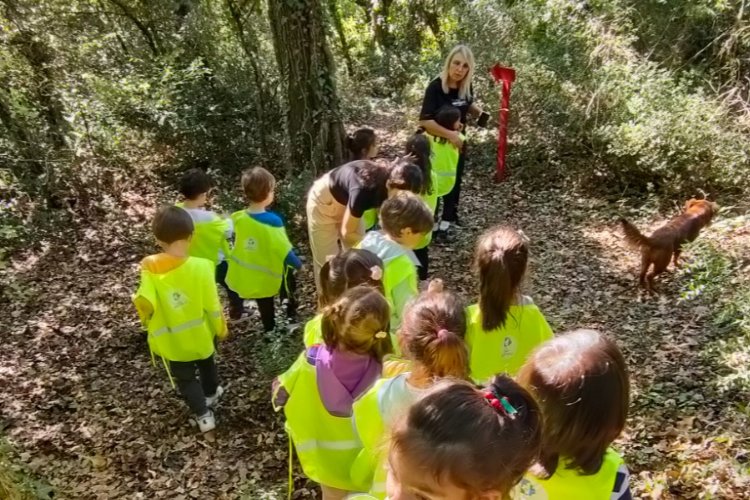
{"x": 87, "y": 412}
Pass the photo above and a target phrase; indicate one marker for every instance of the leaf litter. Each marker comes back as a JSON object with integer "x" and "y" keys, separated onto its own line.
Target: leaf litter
{"x": 86, "y": 410}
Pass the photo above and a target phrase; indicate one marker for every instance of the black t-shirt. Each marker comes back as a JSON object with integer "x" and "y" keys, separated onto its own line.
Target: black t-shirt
{"x": 435, "y": 98}
{"x": 348, "y": 188}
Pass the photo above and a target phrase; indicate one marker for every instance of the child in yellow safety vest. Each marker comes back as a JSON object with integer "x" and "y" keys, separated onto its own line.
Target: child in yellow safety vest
{"x": 418, "y": 146}
{"x": 581, "y": 383}
{"x": 404, "y": 219}
{"x": 445, "y": 157}
{"x": 262, "y": 262}
{"x": 178, "y": 303}
{"x": 318, "y": 391}
{"x": 212, "y": 231}
{"x": 345, "y": 270}
{"x": 432, "y": 340}
{"x": 459, "y": 441}
{"x": 505, "y": 326}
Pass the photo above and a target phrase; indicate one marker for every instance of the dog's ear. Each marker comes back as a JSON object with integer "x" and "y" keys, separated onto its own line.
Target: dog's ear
{"x": 690, "y": 203}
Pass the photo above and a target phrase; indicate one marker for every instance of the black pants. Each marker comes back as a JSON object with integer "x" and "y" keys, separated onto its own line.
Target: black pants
{"x": 221, "y": 278}
{"x": 196, "y": 389}
{"x": 450, "y": 200}
{"x": 288, "y": 292}
{"x": 423, "y": 255}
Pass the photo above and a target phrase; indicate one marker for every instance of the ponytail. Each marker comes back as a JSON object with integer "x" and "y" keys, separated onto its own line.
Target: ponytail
{"x": 418, "y": 145}
{"x": 432, "y": 335}
{"x": 500, "y": 259}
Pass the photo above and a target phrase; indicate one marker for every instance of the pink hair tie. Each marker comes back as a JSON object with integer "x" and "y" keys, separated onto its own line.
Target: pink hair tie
{"x": 376, "y": 273}
{"x": 442, "y": 334}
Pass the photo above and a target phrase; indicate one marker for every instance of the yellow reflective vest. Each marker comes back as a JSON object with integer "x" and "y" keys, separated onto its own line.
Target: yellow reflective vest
{"x": 372, "y": 425}
{"x": 313, "y": 332}
{"x": 444, "y": 156}
{"x": 209, "y": 234}
{"x": 187, "y": 313}
{"x": 399, "y": 273}
{"x": 504, "y": 349}
{"x": 256, "y": 263}
{"x": 326, "y": 445}
{"x": 568, "y": 483}
{"x": 431, "y": 200}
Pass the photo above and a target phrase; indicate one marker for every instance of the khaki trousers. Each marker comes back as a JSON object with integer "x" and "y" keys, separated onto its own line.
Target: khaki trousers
{"x": 324, "y": 217}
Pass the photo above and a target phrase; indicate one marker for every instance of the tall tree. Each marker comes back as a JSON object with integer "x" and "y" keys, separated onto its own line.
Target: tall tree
{"x": 316, "y": 132}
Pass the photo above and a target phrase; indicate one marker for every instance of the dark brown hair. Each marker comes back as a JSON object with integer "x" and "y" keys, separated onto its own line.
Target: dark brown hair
{"x": 172, "y": 224}
{"x": 194, "y": 183}
{"x": 581, "y": 383}
{"x": 349, "y": 269}
{"x": 405, "y": 210}
{"x": 447, "y": 116}
{"x": 500, "y": 258}
{"x": 372, "y": 175}
{"x": 455, "y": 433}
{"x": 406, "y": 176}
{"x": 257, "y": 184}
{"x": 360, "y": 142}
{"x": 419, "y": 146}
{"x": 432, "y": 335}
{"x": 358, "y": 322}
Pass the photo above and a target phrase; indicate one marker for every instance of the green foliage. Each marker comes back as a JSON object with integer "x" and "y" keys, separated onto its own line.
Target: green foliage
{"x": 719, "y": 280}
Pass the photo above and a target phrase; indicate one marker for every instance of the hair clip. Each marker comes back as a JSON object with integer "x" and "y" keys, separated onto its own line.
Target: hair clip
{"x": 376, "y": 273}
{"x": 381, "y": 335}
{"x": 502, "y": 405}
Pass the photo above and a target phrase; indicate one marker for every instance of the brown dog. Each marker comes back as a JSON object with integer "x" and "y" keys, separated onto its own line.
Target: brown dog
{"x": 664, "y": 244}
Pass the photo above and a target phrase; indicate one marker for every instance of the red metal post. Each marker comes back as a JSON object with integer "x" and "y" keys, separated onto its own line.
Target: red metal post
{"x": 506, "y": 76}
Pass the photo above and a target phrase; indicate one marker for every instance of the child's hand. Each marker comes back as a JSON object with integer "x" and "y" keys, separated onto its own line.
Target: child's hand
{"x": 224, "y": 335}
{"x": 435, "y": 286}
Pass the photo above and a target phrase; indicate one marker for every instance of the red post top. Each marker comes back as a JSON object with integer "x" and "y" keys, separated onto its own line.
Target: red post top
{"x": 501, "y": 73}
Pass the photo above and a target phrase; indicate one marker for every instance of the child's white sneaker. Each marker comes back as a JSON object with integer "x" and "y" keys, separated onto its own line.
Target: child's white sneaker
{"x": 212, "y": 400}
{"x": 206, "y": 422}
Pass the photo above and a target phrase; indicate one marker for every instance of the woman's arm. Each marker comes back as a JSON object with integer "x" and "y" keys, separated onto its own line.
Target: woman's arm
{"x": 432, "y": 128}
{"x": 351, "y": 232}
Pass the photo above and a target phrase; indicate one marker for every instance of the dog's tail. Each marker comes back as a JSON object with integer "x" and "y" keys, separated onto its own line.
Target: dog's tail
{"x": 633, "y": 236}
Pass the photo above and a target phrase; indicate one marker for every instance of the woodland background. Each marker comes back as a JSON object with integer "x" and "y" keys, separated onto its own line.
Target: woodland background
{"x": 620, "y": 107}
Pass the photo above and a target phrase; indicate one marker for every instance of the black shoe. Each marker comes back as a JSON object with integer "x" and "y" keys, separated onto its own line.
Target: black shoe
{"x": 441, "y": 237}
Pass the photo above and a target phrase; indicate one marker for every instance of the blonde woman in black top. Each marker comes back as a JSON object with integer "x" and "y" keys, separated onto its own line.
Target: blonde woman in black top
{"x": 453, "y": 87}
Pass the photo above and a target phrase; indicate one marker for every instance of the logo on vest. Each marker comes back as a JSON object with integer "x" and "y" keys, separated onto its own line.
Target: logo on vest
{"x": 251, "y": 244}
{"x": 509, "y": 347}
{"x": 177, "y": 299}
{"x": 527, "y": 489}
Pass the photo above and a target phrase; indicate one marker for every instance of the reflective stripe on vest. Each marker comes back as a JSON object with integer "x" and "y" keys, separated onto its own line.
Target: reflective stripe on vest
{"x": 312, "y": 444}
{"x": 255, "y": 267}
{"x": 179, "y": 328}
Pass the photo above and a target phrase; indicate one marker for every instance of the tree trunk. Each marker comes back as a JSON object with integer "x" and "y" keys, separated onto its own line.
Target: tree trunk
{"x": 316, "y": 133}
{"x": 338, "y": 25}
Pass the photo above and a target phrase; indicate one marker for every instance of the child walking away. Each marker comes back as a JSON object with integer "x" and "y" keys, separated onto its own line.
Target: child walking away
{"x": 505, "y": 326}
{"x": 462, "y": 442}
{"x": 432, "y": 340}
{"x": 362, "y": 144}
{"x": 178, "y": 303}
{"x": 445, "y": 156}
{"x": 404, "y": 219}
{"x": 263, "y": 262}
{"x": 581, "y": 383}
{"x": 344, "y": 271}
{"x": 212, "y": 232}
{"x": 317, "y": 392}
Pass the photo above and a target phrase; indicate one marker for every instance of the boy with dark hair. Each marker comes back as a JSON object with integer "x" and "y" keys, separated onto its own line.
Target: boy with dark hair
{"x": 262, "y": 262}
{"x": 212, "y": 232}
{"x": 178, "y": 303}
{"x": 404, "y": 219}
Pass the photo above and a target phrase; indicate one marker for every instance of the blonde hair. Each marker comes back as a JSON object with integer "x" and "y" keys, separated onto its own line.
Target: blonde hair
{"x": 358, "y": 322}
{"x": 464, "y": 89}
